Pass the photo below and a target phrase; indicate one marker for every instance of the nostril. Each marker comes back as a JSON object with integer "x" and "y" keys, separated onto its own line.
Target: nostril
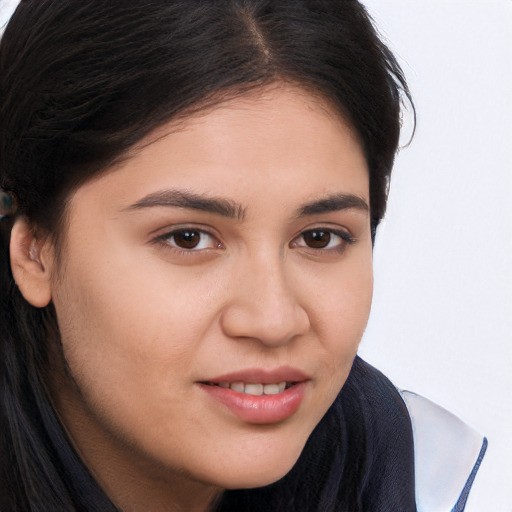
{"x": 271, "y": 327}
{"x": 265, "y": 307}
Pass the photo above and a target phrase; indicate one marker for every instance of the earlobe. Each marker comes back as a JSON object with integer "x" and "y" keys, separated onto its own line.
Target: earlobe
{"x": 30, "y": 263}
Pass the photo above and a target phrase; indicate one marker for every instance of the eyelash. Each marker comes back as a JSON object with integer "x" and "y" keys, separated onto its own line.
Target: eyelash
{"x": 167, "y": 237}
{"x": 345, "y": 237}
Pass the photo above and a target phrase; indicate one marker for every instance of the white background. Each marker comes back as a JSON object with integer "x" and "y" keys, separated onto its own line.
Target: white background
{"x": 442, "y": 317}
{"x": 442, "y": 314}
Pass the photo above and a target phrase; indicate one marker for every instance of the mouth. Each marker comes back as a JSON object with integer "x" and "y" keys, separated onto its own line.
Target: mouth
{"x": 254, "y": 388}
{"x": 259, "y": 396}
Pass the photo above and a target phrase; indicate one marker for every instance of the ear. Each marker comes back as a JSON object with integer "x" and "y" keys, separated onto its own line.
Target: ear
{"x": 31, "y": 263}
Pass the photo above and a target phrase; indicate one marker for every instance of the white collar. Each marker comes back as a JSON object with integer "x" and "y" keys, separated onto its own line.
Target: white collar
{"x": 447, "y": 453}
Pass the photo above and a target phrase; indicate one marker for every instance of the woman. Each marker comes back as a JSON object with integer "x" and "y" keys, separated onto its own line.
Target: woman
{"x": 191, "y": 193}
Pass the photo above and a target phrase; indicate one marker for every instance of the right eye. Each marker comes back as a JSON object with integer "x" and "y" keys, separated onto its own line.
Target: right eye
{"x": 190, "y": 239}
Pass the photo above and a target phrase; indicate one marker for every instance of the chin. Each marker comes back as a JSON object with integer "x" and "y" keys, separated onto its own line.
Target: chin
{"x": 258, "y": 473}
{"x": 254, "y": 480}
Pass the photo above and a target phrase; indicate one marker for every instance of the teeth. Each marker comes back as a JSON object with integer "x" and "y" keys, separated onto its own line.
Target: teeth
{"x": 256, "y": 389}
{"x": 238, "y": 386}
{"x": 271, "y": 389}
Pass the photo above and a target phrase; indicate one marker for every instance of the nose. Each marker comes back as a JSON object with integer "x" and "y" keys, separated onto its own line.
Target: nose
{"x": 264, "y": 306}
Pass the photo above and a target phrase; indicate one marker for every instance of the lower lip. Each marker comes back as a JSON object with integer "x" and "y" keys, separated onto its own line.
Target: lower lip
{"x": 263, "y": 409}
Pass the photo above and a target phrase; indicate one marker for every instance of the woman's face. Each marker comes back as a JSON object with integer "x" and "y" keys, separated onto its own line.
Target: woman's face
{"x": 230, "y": 256}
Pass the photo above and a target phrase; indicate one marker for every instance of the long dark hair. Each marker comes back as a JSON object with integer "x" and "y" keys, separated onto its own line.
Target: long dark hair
{"x": 81, "y": 81}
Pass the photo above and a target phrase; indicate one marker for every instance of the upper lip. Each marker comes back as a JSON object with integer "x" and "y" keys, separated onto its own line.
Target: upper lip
{"x": 262, "y": 376}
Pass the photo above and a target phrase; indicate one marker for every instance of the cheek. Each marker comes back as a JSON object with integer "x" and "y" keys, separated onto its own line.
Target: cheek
{"x": 118, "y": 321}
{"x": 130, "y": 340}
{"x": 340, "y": 308}
{"x": 340, "y": 297}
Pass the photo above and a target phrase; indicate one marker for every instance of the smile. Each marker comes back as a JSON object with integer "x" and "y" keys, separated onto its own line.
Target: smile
{"x": 255, "y": 389}
{"x": 257, "y": 403}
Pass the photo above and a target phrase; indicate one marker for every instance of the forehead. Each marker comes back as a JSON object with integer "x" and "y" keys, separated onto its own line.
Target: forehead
{"x": 271, "y": 102}
{"x": 278, "y": 139}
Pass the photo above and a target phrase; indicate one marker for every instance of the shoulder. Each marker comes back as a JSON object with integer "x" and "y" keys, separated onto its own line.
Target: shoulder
{"x": 377, "y": 420}
{"x": 447, "y": 455}
{"x": 415, "y": 443}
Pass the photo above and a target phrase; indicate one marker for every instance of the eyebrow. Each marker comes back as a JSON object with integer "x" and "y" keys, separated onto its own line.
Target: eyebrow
{"x": 334, "y": 203}
{"x": 192, "y": 201}
{"x": 233, "y": 210}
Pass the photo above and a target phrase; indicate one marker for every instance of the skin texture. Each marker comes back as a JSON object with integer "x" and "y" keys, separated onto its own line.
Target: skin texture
{"x": 144, "y": 321}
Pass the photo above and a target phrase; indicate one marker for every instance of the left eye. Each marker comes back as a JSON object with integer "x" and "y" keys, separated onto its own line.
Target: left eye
{"x": 189, "y": 239}
{"x": 323, "y": 239}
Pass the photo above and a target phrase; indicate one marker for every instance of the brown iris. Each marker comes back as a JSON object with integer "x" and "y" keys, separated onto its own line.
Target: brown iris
{"x": 187, "y": 239}
{"x": 317, "y": 239}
